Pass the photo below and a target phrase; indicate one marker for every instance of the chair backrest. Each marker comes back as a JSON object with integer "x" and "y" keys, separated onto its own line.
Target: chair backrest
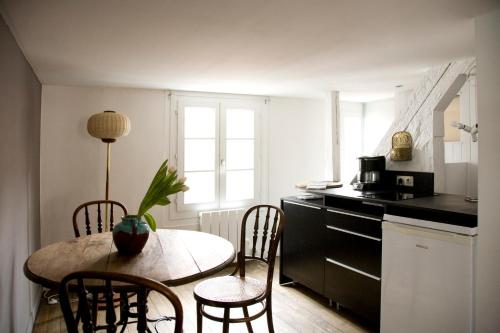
{"x": 107, "y": 283}
{"x": 99, "y": 207}
{"x": 265, "y": 243}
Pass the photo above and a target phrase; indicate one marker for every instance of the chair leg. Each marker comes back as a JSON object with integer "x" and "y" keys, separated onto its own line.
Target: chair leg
{"x": 225, "y": 324}
{"x": 249, "y": 324}
{"x": 78, "y": 314}
{"x": 95, "y": 297}
{"x": 124, "y": 311}
{"x": 269, "y": 314}
{"x": 199, "y": 318}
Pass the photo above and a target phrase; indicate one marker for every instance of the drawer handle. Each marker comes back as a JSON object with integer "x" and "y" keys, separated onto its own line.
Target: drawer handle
{"x": 353, "y": 233}
{"x": 373, "y": 204}
{"x": 352, "y": 269}
{"x": 299, "y": 204}
{"x": 352, "y": 214}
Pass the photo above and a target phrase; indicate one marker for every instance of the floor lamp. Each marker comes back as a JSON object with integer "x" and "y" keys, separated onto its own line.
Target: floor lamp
{"x": 108, "y": 126}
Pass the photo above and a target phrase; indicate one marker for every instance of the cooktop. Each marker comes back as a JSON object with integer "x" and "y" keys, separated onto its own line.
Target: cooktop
{"x": 387, "y": 195}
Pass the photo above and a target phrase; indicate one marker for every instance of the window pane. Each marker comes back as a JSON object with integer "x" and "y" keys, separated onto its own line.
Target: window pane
{"x": 239, "y": 154}
{"x": 199, "y": 154}
{"x": 199, "y": 122}
{"x": 239, "y": 123}
{"x": 201, "y": 187}
{"x": 239, "y": 185}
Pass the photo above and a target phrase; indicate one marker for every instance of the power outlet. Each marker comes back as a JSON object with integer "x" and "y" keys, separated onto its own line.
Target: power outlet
{"x": 404, "y": 181}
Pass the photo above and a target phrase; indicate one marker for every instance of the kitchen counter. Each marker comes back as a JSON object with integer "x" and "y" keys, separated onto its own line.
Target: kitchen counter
{"x": 442, "y": 202}
{"x": 443, "y": 208}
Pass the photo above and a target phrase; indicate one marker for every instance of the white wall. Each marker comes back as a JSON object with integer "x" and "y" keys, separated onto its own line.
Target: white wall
{"x": 296, "y": 144}
{"x": 488, "y": 103}
{"x": 73, "y": 163}
{"x": 402, "y": 96}
{"x": 20, "y": 94}
{"x": 351, "y": 107}
{"x": 377, "y": 118}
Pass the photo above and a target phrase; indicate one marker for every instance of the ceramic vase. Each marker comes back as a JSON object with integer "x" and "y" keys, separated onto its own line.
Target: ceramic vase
{"x": 130, "y": 236}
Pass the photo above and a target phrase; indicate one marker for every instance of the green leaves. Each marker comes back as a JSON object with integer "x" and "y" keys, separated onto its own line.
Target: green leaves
{"x": 163, "y": 202}
{"x": 150, "y": 220}
{"x": 164, "y": 183}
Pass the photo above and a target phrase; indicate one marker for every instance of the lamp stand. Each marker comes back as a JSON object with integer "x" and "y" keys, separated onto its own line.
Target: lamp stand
{"x": 108, "y": 167}
{"x": 108, "y": 126}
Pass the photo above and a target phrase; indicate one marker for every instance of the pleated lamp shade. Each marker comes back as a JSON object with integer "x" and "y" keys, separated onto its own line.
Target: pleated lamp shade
{"x": 108, "y": 125}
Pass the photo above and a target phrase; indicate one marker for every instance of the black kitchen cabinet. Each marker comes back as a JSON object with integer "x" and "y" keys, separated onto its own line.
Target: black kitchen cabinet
{"x": 335, "y": 250}
{"x": 302, "y": 256}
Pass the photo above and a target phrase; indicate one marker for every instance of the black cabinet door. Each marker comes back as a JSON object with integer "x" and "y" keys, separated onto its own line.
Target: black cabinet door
{"x": 354, "y": 290}
{"x": 302, "y": 256}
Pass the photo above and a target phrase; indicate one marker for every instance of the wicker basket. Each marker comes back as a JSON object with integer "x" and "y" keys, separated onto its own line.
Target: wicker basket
{"x": 401, "y": 146}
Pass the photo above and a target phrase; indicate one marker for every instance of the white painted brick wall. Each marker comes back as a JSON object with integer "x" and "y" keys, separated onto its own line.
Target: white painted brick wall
{"x": 417, "y": 116}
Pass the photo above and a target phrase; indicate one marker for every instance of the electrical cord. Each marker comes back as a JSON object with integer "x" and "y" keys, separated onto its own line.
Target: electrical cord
{"x": 54, "y": 298}
{"x": 164, "y": 318}
{"x": 51, "y": 299}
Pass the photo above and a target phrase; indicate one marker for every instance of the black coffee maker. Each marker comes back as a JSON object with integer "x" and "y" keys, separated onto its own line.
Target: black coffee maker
{"x": 371, "y": 173}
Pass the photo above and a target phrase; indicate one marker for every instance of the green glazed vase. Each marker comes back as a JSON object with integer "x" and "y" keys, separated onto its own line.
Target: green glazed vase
{"x": 130, "y": 236}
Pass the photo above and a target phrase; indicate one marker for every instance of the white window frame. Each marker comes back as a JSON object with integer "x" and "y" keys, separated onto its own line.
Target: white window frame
{"x": 256, "y": 107}
{"x": 221, "y": 102}
{"x": 202, "y": 102}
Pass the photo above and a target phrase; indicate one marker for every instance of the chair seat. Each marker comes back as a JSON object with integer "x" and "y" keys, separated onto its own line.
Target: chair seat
{"x": 227, "y": 291}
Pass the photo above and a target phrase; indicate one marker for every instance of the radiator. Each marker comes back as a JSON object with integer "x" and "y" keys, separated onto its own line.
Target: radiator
{"x": 223, "y": 223}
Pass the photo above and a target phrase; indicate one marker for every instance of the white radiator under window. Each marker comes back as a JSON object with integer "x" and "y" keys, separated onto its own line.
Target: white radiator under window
{"x": 227, "y": 224}
{"x": 223, "y": 223}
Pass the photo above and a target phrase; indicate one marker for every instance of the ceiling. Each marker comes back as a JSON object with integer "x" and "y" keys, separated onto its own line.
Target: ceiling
{"x": 265, "y": 47}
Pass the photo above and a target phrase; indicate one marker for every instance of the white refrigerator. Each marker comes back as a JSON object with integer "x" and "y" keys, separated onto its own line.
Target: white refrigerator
{"x": 427, "y": 276}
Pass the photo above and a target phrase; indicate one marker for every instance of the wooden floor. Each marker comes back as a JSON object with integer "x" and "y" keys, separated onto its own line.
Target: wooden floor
{"x": 295, "y": 309}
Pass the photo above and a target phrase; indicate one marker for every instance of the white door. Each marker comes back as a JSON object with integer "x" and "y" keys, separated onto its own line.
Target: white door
{"x": 427, "y": 278}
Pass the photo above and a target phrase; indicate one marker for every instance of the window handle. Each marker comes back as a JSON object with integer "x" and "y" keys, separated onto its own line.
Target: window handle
{"x": 222, "y": 164}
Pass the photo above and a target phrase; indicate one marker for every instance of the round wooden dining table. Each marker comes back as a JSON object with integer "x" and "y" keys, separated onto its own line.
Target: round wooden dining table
{"x": 173, "y": 257}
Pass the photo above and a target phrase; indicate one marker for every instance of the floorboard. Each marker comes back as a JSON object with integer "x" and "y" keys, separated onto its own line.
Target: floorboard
{"x": 295, "y": 310}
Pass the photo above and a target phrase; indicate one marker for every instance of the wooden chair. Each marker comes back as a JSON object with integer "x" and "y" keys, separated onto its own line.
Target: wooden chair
{"x": 108, "y": 283}
{"x": 86, "y": 207}
{"x": 240, "y": 291}
{"x": 98, "y": 206}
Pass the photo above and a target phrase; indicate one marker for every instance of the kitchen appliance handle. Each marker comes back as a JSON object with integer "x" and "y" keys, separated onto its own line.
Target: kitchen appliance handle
{"x": 300, "y": 204}
{"x": 372, "y": 204}
{"x": 352, "y": 269}
{"x": 352, "y": 214}
{"x": 353, "y": 233}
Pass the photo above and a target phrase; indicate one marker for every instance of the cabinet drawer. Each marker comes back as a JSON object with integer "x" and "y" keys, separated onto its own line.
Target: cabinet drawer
{"x": 358, "y": 251}
{"x": 351, "y": 221}
{"x": 355, "y": 291}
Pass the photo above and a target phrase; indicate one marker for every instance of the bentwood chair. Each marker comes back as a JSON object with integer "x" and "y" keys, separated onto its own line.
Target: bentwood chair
{"x": 95, "y": 211}
{"x": 108, "y": 283}
{"x": 238, "y": 290}
{"x": 99, "y": 206}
